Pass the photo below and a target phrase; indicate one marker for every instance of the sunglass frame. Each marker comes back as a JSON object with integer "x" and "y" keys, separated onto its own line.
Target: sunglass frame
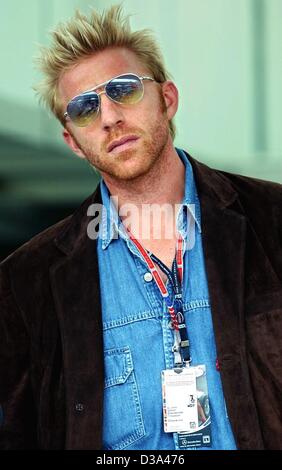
{"x": 66, "y": 115}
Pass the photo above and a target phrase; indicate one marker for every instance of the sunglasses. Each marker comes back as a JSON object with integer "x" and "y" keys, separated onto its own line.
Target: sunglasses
{"x": 125, "y": 89}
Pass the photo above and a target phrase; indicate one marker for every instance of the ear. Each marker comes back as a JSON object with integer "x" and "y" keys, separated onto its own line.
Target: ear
{"x": 72, "y": 144}
{"x": 170, "y": 94}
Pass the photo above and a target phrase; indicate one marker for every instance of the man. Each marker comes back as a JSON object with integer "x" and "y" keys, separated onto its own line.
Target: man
{"x": 104, "y": 338}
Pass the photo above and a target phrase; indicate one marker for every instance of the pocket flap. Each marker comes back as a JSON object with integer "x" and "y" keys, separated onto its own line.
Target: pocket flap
{"x": 118, "y": 366}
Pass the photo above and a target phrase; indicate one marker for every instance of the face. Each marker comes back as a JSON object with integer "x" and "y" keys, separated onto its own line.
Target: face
{"x": 147, "y": 121}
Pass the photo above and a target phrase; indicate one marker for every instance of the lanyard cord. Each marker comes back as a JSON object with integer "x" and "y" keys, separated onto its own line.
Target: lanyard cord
{"x": 177, "y": 316}
{"x": 170, "y": 274}
{"x": 178, "y": 305}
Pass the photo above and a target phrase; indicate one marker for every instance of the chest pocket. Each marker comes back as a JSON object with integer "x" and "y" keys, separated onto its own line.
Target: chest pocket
{"x": 123, "y": 422}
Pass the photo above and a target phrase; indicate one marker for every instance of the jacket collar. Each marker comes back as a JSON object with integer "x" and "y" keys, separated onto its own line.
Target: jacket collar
{"x": 213, "y": 185}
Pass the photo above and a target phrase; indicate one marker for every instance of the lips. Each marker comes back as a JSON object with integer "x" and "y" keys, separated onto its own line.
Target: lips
{"x": 116, "y": 143}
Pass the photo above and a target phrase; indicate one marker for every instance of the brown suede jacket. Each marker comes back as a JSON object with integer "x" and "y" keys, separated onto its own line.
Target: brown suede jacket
{"x": 51, "y": 345}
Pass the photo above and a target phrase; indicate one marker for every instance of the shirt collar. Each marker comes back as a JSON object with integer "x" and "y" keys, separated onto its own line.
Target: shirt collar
{"x": 111, "y": 226}
{"x": 190, "y": 200}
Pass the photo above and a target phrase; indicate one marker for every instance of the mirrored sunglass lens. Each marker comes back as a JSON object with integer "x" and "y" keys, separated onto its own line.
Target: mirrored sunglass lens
{"x": 83, "y": 108}
{"x": 127, "y": 89}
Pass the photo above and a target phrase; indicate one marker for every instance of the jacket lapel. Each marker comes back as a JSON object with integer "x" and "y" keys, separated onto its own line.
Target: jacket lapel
{"x": 224, "y": 240}
{"x": 75, "y": 286}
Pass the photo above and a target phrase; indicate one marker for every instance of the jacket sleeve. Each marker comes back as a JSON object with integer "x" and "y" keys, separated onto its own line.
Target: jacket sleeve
{"x": 17, "y": 410}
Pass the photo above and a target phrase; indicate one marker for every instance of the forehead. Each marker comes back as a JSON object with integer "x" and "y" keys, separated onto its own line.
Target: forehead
{"x": 97, "y": 69}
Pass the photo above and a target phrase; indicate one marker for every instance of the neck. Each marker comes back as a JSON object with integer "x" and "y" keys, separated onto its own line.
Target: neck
{"x": 163, "y": 184}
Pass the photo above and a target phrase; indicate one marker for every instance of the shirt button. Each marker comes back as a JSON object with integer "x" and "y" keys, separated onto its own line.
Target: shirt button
{"x": 79, "y": 407}
{"x": 148, "y": 277}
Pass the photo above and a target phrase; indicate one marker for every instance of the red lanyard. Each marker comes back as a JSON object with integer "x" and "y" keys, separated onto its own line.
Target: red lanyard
{"x": 157, "y": 277}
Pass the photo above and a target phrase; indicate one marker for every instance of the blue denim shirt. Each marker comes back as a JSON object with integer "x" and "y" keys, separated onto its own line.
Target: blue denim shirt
{"x": 138, "y": 338}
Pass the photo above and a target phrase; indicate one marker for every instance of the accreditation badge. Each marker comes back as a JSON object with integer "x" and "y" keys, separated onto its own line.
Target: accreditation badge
{"x": 186, "y": 408}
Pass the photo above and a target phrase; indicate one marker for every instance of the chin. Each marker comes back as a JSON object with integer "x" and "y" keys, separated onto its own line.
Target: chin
{"x": 128, "y": 175}
{"x": 130, "y": 172}
{"x": 130, "y": 166}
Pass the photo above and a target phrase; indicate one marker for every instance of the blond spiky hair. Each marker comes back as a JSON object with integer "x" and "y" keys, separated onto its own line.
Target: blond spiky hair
{"x": 81, "y": 37}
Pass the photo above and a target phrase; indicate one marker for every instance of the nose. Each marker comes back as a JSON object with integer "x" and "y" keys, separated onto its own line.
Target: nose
{"x": 111, "y": 113}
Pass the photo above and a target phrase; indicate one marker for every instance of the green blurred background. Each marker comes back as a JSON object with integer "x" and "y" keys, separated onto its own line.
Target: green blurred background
{"x": 226, "y": 60}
